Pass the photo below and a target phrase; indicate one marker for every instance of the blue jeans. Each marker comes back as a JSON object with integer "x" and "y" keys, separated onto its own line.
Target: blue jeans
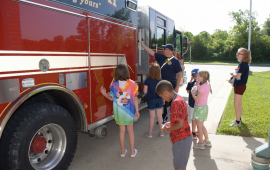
{"x": 155, "y": 104}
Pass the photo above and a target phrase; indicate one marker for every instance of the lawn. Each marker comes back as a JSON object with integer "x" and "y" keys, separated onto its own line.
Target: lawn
{"x": 256, "y": 109}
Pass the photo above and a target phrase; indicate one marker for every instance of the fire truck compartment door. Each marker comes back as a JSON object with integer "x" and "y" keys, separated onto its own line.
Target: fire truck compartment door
{"x": 9, "y": 90}
{"x": 75, "y": 81}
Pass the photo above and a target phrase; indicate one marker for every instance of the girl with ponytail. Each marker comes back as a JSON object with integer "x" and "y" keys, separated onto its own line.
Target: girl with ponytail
{"x": 244, "y": 57}
{"x": 201, "y": 108}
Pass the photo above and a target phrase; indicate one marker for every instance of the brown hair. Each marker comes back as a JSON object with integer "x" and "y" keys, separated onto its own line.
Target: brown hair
{"x": 121, "y": 73}
{"x": 154, "y": 72}
{"x": 206, "y": 77}
{"x": 164, "y": 85}
{"x": 247, "y": 55}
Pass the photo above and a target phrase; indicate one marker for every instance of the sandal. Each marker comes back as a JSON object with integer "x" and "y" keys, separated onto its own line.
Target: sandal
{"x": 124, "y": 154}
{"x": 135, "y": 150}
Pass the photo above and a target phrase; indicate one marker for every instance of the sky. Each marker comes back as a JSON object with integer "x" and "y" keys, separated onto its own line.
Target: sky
{"x": 196, "y": 16}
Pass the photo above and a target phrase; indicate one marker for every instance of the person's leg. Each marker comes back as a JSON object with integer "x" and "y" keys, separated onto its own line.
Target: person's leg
{"x": 200, "y": 130}
{"x": 159, "y": 117}
{"x": 122, "y": 129}
{"x": 131, "y": 138}
{"x": 238, "y": 106}
{"x": 193, "y": 123}
{"x": 205, "y": 134}
{"x": 151, "y": 120}
{"x": 164, "y": 115}
{"x": 189, "y": 114}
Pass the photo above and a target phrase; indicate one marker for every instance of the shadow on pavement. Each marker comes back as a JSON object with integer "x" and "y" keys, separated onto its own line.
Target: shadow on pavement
{"x": 203, "y": 160}
{"x": 252, "y": 143}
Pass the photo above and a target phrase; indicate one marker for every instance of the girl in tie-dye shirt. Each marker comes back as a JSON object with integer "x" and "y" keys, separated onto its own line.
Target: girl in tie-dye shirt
{"x": 125, "y": 105}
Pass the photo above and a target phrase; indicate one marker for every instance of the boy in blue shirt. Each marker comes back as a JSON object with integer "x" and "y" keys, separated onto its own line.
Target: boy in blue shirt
{"x": 191, "y": 102}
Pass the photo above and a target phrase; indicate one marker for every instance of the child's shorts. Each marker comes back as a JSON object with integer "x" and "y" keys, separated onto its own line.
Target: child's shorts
{"x": 155, "y": 104}
{"x": 240, "y": 89}
{"x": 201, "y": 112}
{"x": 181, "y": 151}
{"x": 190, "y": 113}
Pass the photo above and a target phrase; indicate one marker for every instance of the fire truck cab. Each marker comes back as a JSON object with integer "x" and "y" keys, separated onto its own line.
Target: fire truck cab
{"x": 54, "y": 57}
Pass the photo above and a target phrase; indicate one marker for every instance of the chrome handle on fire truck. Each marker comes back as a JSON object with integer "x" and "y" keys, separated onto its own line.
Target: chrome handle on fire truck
{"x": 140, "y": 47}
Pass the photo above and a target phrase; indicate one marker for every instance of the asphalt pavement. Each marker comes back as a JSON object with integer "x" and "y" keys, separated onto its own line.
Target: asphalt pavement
{"x": 227, "y": 152}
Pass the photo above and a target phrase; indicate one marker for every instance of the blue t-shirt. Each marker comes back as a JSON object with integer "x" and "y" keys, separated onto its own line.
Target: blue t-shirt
{"x": 191, "y": 101}
{"x": 244, "y": 69}
{"x": 151, "y": 92}
{"x": 169, "y": 71}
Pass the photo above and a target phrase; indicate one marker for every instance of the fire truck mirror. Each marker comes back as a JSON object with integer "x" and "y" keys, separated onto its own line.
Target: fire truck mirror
{"x": 185, "y": 43}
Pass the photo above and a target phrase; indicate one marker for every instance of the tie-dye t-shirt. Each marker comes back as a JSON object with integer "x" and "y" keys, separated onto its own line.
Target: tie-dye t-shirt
{"x": 123, "y": 101}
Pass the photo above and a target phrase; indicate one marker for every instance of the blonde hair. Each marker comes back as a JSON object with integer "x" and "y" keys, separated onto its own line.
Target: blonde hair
{"x": 154, "y": 72}
{"x": 247, "y": 55}
{"x": 206, "y": 77}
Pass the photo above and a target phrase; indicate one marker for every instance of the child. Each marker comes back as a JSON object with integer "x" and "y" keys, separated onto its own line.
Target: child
{"x": 154, "y": 102}
{"x": 201, "y": 108}
{"x": 178, "y": 126}
{"x": 244, "y": 57}
{"x": 191, "y": 101}
{"x": 125, "y": 105}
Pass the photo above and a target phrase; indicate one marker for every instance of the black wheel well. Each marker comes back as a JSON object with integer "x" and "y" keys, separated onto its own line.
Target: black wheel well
{"x": 59, "y": 98}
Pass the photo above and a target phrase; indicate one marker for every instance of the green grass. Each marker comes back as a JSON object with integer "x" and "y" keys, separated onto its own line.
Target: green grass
{"x": 256, "y": 115}
{"x": 213, "y": 63}
{"x": 227, "y": 63}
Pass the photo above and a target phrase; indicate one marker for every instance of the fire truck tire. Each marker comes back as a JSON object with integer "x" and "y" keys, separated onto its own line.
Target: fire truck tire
{"x": 38, "y": 136}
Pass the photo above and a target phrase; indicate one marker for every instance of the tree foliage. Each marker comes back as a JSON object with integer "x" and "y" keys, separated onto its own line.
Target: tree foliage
{"x": 223, "y": 45}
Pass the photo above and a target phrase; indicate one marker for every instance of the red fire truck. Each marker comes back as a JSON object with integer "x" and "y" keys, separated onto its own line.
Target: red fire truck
{"x": 54, "y": 57}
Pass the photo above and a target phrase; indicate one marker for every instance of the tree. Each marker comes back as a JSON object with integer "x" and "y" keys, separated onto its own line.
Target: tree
{"x": 219, "y": 38}
{"x": 266, "y": 27}
{"x": 239, "y": 34}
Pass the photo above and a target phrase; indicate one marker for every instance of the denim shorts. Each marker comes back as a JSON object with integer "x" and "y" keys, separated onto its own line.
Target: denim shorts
{"x": 155, "y": 104}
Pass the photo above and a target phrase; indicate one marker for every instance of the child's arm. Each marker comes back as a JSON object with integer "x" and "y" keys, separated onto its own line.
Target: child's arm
{"x": 192, "y": 78}
{"x": 178, "y": 125}
{"x": 198, "y": 97}
{"x": 145, "y": 88}
{"x": 188, "y": 87}
{"x": 103, "y": 91}
{"x": 136, "y": 107}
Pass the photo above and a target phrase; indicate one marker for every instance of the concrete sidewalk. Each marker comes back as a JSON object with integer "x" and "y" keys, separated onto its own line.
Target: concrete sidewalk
{"x": 227, "y": 152}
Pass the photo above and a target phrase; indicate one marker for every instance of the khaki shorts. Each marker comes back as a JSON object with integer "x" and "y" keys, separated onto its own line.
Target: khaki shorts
{"x": 201, "y": 112}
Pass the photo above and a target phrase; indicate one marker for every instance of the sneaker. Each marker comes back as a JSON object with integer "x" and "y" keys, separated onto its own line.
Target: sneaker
{"x": 199, "y": 146}
{"x": 136, "y": 151}
{"x": 194, "y": 136}
{"x": 235, "y": 120}
{"x": 149, "y": 135}
{"x": 235, "y": 124}
{"x": 124, "y": 153}
{"x": 161, "y": 134}
{"x": 207, "y": 143}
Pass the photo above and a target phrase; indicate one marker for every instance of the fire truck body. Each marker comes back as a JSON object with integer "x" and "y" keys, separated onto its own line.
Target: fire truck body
{"x": 54, "y": 57}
